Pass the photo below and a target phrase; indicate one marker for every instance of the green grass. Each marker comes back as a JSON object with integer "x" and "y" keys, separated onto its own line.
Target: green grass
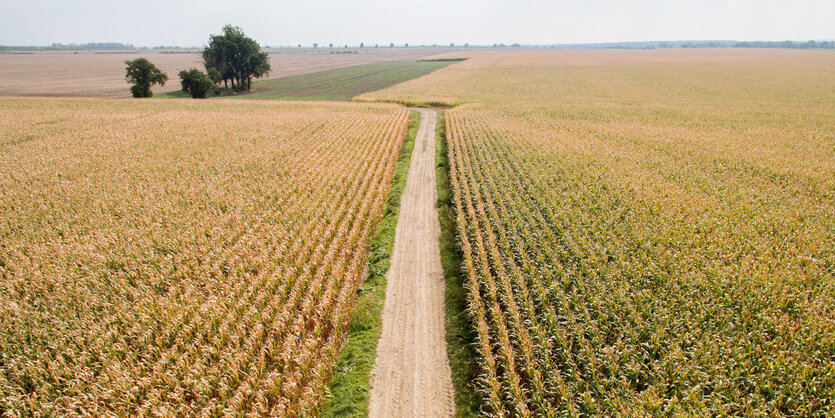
{"x": 460, "y": 336}
{"x": 340, "y": 84}
{"x": 443, "y": 60}
{"x": 179, "y": 94}
{"x": 417, "y": 103}
{"x": 348, "y": 391}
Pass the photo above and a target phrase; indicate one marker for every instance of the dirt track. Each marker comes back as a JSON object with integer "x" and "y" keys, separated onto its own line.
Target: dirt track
{"x": 411, "y": 376}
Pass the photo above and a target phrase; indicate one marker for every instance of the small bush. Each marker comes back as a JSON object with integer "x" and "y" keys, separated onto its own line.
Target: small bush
{"x": 196, "y": 83}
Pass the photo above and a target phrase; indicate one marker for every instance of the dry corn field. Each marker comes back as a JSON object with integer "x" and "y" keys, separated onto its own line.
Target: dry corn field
{"x": 183, "y": 258}
{"x": 645, "y": 232}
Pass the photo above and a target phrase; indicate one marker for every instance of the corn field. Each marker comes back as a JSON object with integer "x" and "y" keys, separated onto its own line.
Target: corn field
{"x": 607, "y": 276}
{"x": 645, "y": 233}
{"x": 183, "y": 258}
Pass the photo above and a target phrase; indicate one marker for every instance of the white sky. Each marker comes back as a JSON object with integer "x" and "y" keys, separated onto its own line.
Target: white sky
{"x": 281, "y": 22}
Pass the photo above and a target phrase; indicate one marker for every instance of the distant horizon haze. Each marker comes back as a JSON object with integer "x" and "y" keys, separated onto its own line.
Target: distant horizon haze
{"x": 529, "y": 22}
{"x": 631, "y": 44}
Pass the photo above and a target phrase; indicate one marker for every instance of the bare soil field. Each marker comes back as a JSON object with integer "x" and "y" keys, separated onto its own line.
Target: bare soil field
{"x": 102, "y": 74}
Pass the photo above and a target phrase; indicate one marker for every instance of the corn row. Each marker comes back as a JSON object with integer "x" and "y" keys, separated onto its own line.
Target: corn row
{"x": 187, "y": 260}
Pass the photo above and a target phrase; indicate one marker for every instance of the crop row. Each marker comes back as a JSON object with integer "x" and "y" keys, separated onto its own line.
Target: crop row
{"x": 166, "y": 258}
{"x": 628, "y": 269}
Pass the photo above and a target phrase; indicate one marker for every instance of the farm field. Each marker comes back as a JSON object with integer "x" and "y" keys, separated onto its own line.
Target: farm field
{"x": 163, "y": 257}
{"x": 645, "y": 232}
{"x": 339, "y": 84}
{"x": 102, "y": 73}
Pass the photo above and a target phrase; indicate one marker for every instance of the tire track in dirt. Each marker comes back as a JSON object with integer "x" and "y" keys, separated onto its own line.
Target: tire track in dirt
{"x": 411, "y": 375}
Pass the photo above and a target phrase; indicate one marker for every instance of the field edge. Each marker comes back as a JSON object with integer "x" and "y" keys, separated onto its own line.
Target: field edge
{"x": 340, "y": 84}
{"x": 459, "y": 331}
{"x": 432, "y": 104}
{"x": 348, "y": 391}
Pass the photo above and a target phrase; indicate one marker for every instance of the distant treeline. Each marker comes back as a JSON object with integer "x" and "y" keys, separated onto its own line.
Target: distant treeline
{"x": 763, "y": 44}
{"x": 603, "y": 45}
{"x": 99, "y": 46}
{"x": 94, "y": 45}
{"x": 697, "y": 44}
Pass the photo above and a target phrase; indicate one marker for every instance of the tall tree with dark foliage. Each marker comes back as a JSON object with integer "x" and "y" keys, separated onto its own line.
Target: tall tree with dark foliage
{"x": 142, "y": 74}
{"x": 237, "y": 57}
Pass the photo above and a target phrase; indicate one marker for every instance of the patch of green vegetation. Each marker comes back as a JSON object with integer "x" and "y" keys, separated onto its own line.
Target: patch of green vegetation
{"x": 15, "y": 140}
{"x": 443, "y": 60}
{"x": 179, "y": 94}
{"x": 428, "y": 104}
{"x": 339, "y": 84}
{"x": 221, "y": 92}
{"x": 348, "y": 391}
{"x": 459, "y": 332}
{"x": 342, "y": 83}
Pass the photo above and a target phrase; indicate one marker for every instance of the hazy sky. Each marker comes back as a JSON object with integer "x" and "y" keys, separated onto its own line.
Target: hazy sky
{"x": 189, "y": 22}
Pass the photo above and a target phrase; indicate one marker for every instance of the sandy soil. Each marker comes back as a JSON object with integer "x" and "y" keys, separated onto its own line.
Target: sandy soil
{"x": 102, "y": 73}
{"x": 411, "y": 376}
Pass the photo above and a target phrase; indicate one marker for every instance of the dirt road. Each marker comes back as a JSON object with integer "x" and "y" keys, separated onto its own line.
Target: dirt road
{"x": 411, "y": 376}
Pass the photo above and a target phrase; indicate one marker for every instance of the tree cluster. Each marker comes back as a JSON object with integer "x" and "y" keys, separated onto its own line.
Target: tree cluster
{"x": 236, "y": 57}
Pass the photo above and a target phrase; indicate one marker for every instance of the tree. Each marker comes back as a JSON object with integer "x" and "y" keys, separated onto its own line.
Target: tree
{"x": 330, "y": 45}
{"x": 391, "y": 45}
{"x": 218, "y": 56}
{"x": 362, "y": 45}
{"x": 214, "y": 74}
{"x": 237, "y": 57}
{"x": 143, "y": 75}
{"x": 315, "y": 45}
{"x": 196, "y": 83}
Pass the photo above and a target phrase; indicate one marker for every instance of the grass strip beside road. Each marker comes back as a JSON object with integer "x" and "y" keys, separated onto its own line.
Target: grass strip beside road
{"x": 460, "y": 336}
